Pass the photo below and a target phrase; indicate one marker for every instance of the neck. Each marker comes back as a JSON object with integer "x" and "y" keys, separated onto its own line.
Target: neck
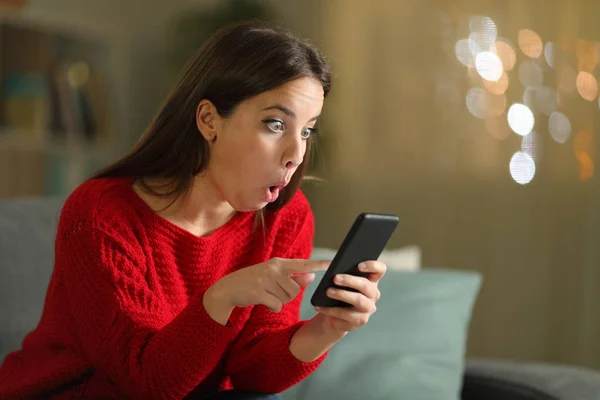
{"x": 201, "y": 210}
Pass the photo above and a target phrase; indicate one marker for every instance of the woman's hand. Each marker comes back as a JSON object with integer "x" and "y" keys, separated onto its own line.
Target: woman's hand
{"x": 272, "y": 283}
{"x": 362, "y": 303}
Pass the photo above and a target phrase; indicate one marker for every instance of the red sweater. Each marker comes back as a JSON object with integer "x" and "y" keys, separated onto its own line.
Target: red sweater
{"x": 123, "y": 316}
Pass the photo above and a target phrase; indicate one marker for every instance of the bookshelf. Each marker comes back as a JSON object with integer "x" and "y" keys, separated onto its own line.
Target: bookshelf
{"x": 56, "y": 115}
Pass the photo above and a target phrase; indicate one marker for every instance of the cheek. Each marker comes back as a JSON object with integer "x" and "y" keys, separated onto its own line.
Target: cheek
{"x": 243, "y": 157}
{"x": 244, "y": 160}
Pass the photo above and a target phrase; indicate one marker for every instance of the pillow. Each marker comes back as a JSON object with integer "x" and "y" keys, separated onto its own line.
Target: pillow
{"x": 412, "y": 348}
{"x": 407, "y": 258}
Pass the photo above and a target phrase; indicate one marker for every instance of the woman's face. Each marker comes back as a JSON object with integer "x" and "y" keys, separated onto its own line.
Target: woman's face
{"x": 261, "y": 144}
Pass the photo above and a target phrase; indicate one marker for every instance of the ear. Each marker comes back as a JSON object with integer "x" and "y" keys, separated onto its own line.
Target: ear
{"x": 208, "y": 120}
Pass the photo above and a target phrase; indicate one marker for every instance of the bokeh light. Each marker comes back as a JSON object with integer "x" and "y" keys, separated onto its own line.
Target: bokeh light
{"x": 586, "y": 166}
{"x": 474, "y": 46}
{"x": 583, "y": 144}
{"x": 498, "y": 87}
{"x": 463, "y": 53}
{"x": 587, "y": 85}
{"x": 530, "y": 74}
{"x": 530, "y": 144}
{"x": 530, "y": 43}
{"x": 550, "y": 52}
{"x": 478, "y": 101}
{"x": 559, "y": 127}
{"x": 522, "y": 167}
{"x": 488, "y": 59}
{"x": 587, "y": 55}
{"x": 483, "y": 31}
{"x": 488, "y": 66}
{"x": 520, "y": 119}
{"x": 506, "y": 54}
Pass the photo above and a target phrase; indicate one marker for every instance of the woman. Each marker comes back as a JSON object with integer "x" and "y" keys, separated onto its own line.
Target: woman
{"x": 179, "y": 270}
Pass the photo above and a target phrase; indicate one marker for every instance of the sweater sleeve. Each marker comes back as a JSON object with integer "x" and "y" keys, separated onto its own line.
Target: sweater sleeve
{"x": 260, "y": 359}
{"x": 122, "y": 325}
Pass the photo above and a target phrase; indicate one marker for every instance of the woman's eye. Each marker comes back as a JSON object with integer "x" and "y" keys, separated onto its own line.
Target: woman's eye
{"x": 308, "y": 132}
{"x": 275, "y": 125}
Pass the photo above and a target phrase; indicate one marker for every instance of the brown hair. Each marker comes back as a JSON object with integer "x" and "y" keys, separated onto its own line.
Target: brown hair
{"x": 239, "y": 61}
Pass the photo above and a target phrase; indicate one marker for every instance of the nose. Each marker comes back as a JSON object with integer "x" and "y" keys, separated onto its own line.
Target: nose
{"x": 294, "y": 152}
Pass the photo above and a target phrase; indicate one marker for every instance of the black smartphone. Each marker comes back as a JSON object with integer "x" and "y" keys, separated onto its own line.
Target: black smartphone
{"x": 365, "y": 241}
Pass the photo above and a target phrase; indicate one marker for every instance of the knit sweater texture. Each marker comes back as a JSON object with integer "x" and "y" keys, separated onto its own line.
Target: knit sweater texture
{"x": 123, "y": 315}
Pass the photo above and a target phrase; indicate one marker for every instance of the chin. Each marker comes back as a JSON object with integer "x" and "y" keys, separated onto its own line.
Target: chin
{"x": 257, "y": 207}
{"x": 247, "y": 209}
{"x": 242, "y": 202}
{"x": 243, "y": 206}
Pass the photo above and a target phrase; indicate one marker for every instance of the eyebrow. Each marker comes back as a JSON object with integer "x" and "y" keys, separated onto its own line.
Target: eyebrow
{"x": 287, "y": 111}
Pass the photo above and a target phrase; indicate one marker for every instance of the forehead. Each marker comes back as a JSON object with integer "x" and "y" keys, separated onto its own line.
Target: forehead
{"x": 302, "y": 96}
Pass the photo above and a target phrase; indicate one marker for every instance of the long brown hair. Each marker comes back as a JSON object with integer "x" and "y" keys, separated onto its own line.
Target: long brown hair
{"x": 237, "y": 62}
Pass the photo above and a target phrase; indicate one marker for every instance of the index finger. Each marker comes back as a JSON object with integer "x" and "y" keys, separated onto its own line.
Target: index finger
{"x": 305, "y": 266}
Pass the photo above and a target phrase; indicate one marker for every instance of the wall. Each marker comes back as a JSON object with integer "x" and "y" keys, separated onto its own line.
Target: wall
{"x": 393, "y": 142}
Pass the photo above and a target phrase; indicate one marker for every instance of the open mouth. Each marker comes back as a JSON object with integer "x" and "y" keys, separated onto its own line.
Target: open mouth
{"x": 272, "y": 193}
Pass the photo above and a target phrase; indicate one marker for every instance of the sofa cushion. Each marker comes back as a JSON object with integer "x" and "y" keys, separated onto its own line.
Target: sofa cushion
{"x": 407, "y": 258}
{"x": 412, "y": 348}
{"x": 27, "y": 232}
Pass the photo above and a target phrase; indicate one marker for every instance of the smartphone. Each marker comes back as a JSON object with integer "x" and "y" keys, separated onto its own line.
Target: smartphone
{"x": 365, "y": 241}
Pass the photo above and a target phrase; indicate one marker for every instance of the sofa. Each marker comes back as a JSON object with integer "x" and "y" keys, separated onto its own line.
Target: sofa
{"x": 413, "y": 348}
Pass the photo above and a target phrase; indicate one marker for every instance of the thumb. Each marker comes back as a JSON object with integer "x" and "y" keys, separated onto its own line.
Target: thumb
{"x": 303, "y": 279}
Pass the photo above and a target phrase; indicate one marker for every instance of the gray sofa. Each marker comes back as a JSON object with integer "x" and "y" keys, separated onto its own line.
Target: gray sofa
{"x": 27, "y": 229}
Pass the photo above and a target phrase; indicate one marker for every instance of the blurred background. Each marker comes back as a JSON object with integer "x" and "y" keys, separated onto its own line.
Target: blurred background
{"x": 476, "y": 122}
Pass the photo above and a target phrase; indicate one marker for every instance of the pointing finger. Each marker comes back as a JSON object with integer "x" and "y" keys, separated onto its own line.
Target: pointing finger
{"x": 305, "y": 266}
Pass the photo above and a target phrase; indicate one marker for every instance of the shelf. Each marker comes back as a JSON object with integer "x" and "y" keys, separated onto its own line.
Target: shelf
{"x": 55, "y": 24}
{"x": 11, "y": 139}
{"x": 57, "y": 123}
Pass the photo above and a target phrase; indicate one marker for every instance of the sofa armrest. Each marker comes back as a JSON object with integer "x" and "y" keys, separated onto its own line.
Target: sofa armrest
{"x": 501, "y": 380}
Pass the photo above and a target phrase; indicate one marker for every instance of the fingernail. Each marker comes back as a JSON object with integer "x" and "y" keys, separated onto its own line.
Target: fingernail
{"x": 331, "y": 291}
{"x": 362, "y": 266}
{"x": 339, "y": 278}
